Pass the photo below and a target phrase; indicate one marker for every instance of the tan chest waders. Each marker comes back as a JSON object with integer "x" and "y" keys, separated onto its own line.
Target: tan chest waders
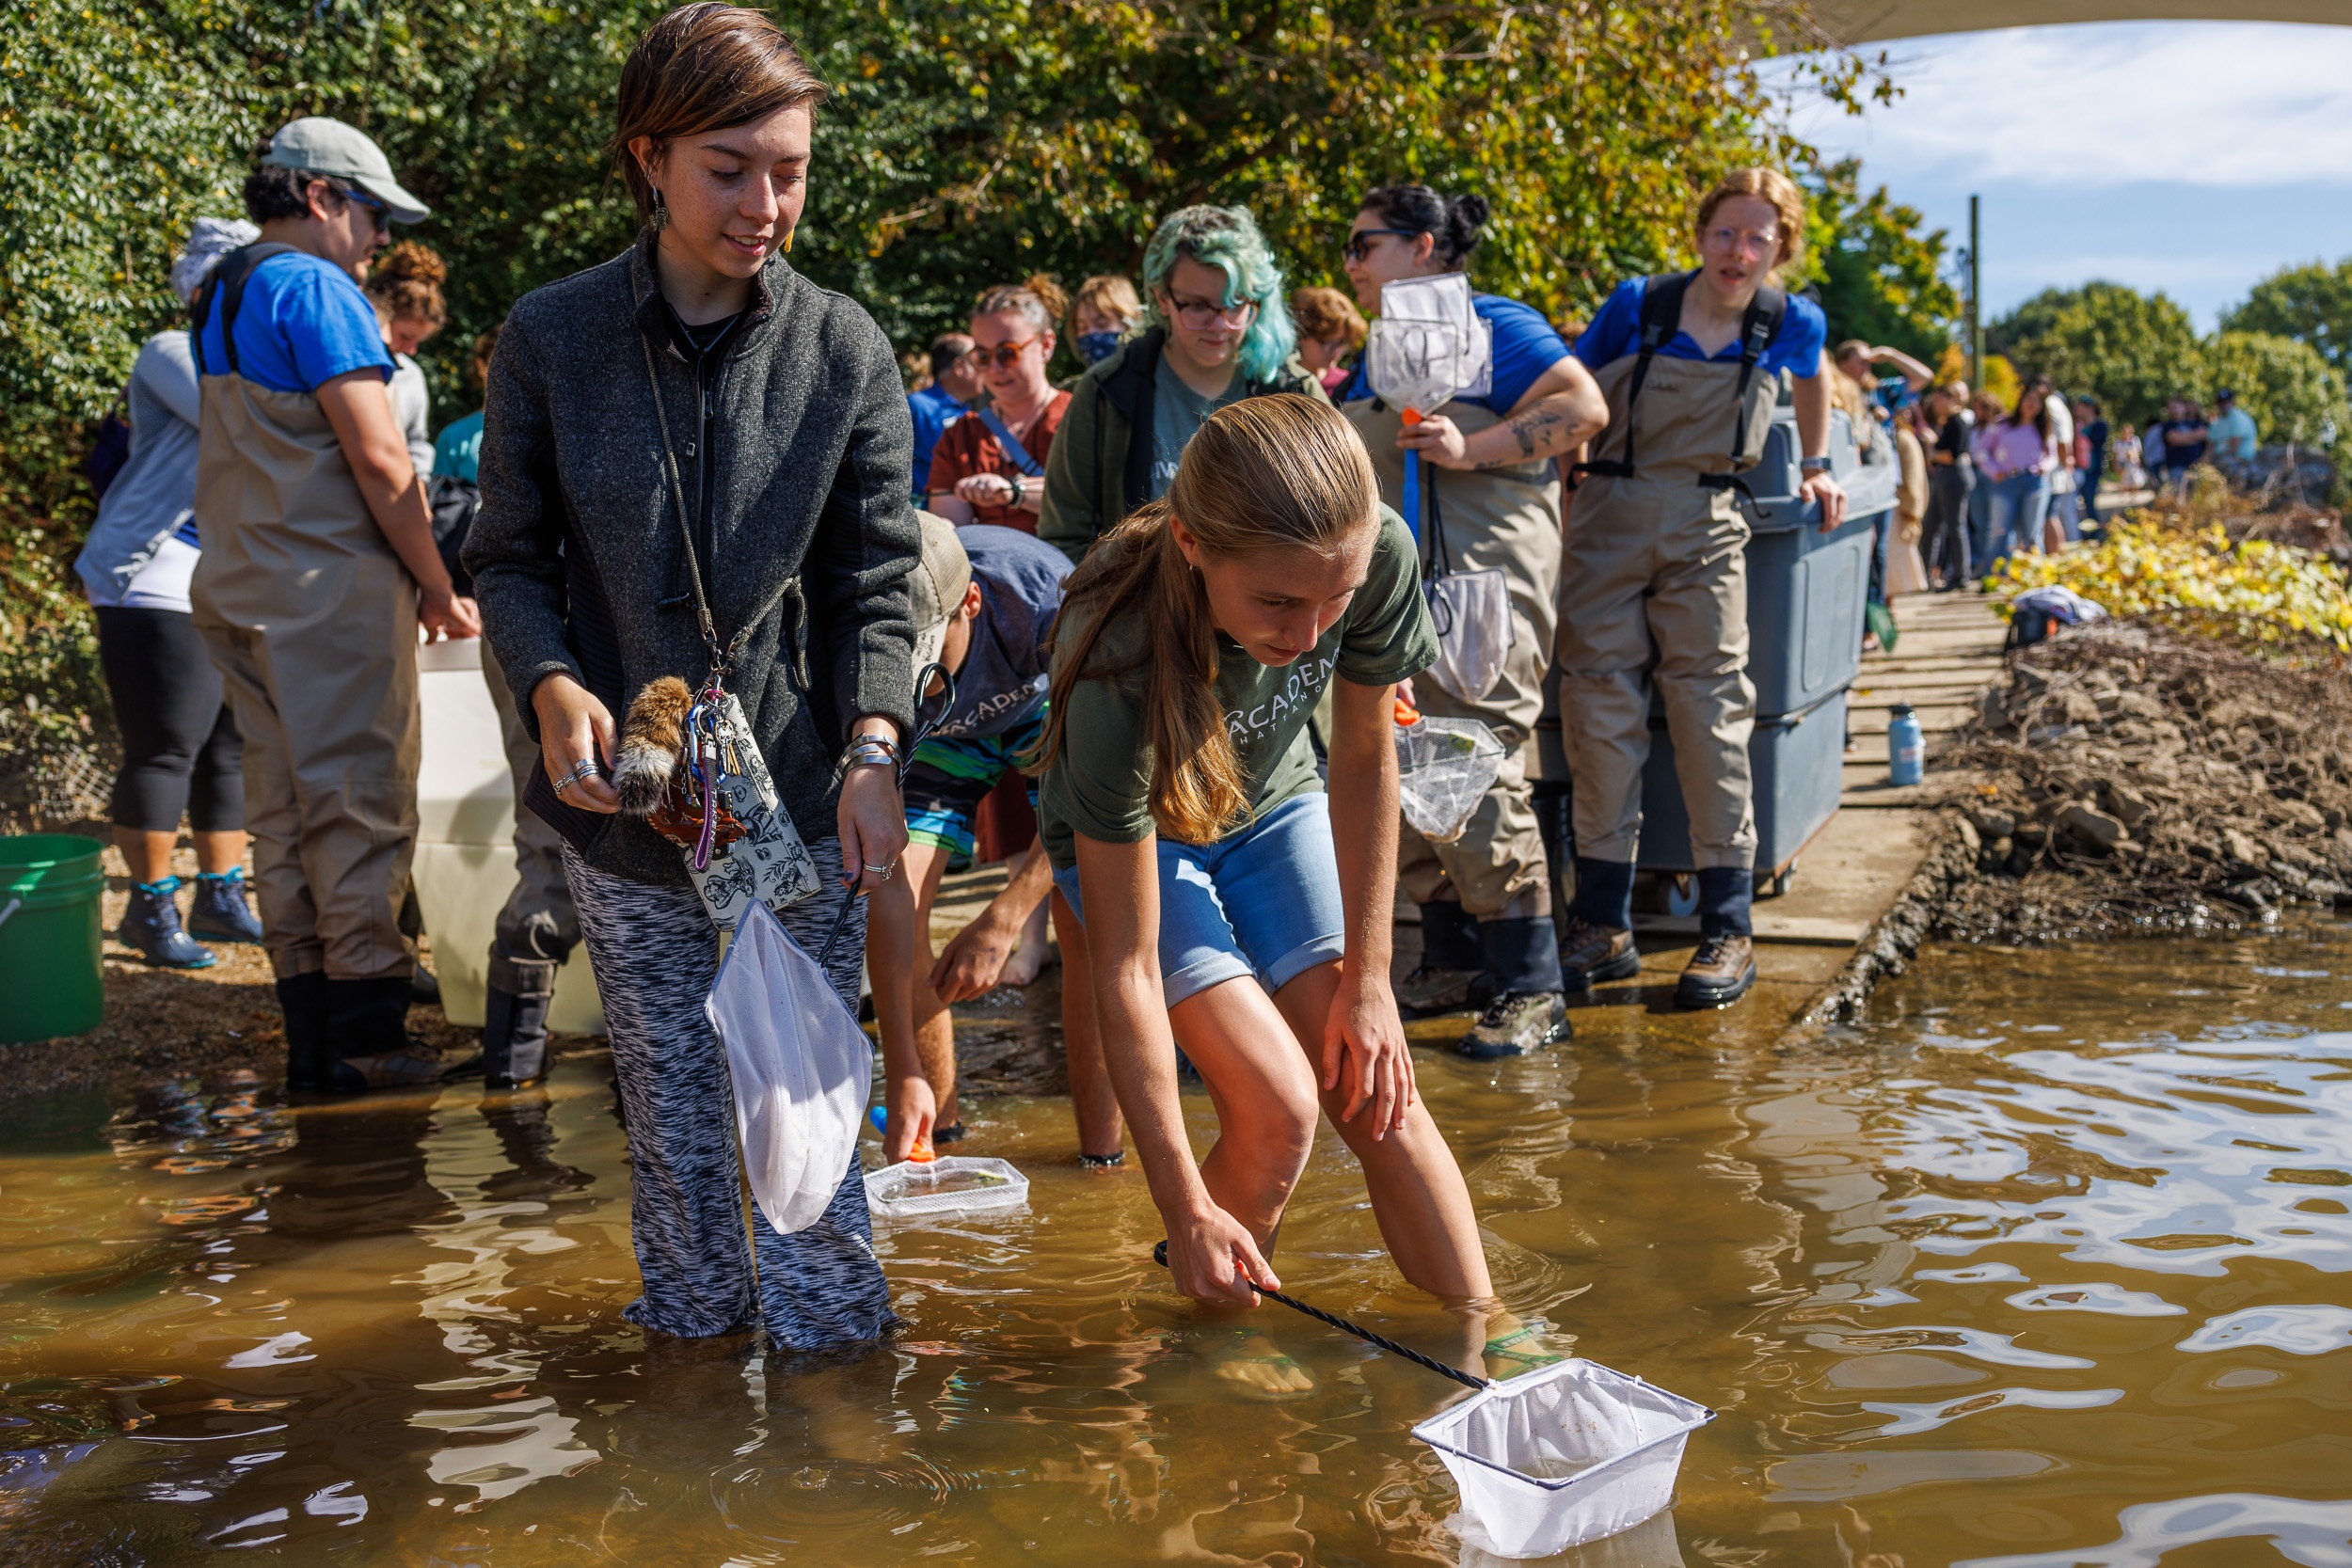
{"x": 1655, "y": 564}
{"x": 312, "y": 621}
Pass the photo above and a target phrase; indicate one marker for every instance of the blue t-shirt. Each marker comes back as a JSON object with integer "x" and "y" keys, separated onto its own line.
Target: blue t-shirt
{"x": 457, "y": 450}
{"x": 1003, "y": 683}
{"x": 1616, "y": 332}
{"x": 1525, "y": 346}
{"x": 933, "y": 410}
{"x": 303, "y": 323}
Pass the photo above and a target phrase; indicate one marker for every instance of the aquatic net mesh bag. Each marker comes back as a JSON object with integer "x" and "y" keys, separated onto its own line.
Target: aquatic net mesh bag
{"x": 1444, "y": 766}
{"x": 801, "y": 1068}
{"x": 1564, "y": 1454}
{"x": 951, "y": 1184}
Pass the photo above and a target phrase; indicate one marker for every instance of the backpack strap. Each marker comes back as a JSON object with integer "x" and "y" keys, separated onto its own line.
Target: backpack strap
{"x": 1662, "y": 317}
{"x": 1758, "y": 328}
{"x": 1015, "y": 453}
{"x": 228, "y": 285}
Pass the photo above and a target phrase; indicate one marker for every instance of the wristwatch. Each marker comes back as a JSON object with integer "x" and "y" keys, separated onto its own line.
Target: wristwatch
{"x": 1813, "y": 464}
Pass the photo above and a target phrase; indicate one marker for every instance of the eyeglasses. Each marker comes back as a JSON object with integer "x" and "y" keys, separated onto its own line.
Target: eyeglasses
{"x": 1199, "y": 315}
{"x": 1758, "y": 242}
{"x": 1358, "y": 244}
{"x": 376, "y": 209}
{"x": 1006, "y": 356}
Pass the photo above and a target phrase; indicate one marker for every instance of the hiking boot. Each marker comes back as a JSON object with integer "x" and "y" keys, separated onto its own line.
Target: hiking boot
{"x": 1590, "y": 954}
{"x": 423, "y": 989}
{"x": 151, "y": 924}
{"x": 1427, "y": 993}
{"x": 1516, "y": 1024}
{"x": 393, "y": 1070}
{"x": 219, "y": 911}
{"x": 1719, "y": 974}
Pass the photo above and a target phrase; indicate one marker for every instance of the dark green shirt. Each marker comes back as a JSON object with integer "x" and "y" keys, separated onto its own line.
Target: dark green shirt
{"x": 1100, "y": 782}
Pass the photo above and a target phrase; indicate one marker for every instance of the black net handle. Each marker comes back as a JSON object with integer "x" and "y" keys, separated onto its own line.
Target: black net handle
{"x": 1159, "y": 1255}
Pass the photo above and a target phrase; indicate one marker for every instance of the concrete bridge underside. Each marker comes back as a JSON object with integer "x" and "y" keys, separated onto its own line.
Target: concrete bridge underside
{"x": 1873, "y": 21}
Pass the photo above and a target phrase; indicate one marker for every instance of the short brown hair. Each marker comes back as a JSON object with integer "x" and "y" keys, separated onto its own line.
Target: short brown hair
{"x": 1328, "y": 316}
{"x": 1109, "y": 295}
{"x": 705, "y": 67}
{"x": 1770, "y": 186}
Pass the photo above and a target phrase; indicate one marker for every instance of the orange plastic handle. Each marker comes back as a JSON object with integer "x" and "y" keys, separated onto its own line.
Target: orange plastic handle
{"x": 922, "y": 1153}
{"x": 1411, "y": 416}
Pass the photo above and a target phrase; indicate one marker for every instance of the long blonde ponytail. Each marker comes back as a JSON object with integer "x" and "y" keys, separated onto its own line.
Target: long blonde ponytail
{"x": 1267, "y": 472}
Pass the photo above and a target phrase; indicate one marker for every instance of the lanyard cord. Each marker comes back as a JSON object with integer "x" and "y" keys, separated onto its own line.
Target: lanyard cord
{"x": 722, "y": 657}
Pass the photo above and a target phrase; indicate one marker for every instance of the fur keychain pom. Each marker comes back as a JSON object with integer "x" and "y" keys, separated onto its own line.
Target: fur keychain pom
{"x": 653, "y": 745}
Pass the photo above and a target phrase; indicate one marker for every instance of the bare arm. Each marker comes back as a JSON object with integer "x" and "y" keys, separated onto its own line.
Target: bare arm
{"x": 893, "y": 936}
{"x": 1916, "y": 374}
{"x": 1119, "y": 884}
{"x": 973, "y": 959}
{"x": 1365, "y": 1031}
{"x": 1561, "y": 411}
{"x": 1812, "y": 409}
{"x": 947, "y": 504}
{"x": 356, "y": 405}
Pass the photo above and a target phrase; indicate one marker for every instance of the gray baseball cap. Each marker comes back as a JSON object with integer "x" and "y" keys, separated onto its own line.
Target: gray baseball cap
{"x": 942, "y": 574}
{"x": 318, "y": 144}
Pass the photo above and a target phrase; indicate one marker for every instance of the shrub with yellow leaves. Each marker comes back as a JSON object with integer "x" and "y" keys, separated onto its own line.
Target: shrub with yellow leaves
{"x": 2253, "y": 592}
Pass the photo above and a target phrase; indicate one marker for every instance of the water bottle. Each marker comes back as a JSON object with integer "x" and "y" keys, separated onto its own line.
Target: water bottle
{"x": 1906, "y": 747}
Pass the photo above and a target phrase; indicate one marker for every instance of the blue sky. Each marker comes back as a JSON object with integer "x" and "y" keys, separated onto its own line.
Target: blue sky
{"x": 2190, "y": 157}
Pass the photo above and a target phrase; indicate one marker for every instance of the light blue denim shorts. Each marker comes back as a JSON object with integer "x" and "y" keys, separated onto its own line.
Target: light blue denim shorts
{"x": 1264, "y": 901}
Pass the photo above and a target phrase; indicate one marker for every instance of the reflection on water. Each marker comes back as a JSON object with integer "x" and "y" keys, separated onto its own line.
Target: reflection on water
{"x": 2050, "y": 1263}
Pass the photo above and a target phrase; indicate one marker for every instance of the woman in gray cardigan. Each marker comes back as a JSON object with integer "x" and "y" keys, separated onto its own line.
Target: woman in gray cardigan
{"x": 780, "y": 406}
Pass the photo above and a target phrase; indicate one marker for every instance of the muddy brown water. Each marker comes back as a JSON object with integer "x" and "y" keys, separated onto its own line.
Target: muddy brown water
{"x": 2047, "y": 1263}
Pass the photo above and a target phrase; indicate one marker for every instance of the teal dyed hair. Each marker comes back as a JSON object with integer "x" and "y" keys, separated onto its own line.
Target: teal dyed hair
{"x": 1226, "y": 238}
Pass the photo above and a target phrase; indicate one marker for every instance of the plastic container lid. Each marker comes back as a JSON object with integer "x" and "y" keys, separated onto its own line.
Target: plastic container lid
{"x": 951, "y": 1184}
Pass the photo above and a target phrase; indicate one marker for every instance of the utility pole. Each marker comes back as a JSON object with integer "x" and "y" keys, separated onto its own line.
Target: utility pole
{"x": 1975, "y": 296}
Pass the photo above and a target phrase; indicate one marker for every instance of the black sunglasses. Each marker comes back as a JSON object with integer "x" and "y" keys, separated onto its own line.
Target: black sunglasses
{"x": 1358, "y": 244}
{"x": 382, "y": 214}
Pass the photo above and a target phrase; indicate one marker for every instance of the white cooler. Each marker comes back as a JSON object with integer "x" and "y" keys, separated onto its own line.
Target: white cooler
{"x": 464, "y": 865}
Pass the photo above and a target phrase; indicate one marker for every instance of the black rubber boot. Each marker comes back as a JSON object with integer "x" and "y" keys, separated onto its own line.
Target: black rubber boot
{"x": 303, "y": 1001}
{"x": 151, "y": 924}
{"x": 367, "y": 1021}
{"x": 515, "y": 1022}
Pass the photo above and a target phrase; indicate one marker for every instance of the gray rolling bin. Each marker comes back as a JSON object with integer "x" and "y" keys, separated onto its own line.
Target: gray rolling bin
{"x": 1805, "y": 593}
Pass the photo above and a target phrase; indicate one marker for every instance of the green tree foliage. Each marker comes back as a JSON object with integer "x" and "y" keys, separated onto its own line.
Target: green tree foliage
{"x": 2292, "y": 392}
{"x": 1881, "y": 279}
{"x": 968, "y": 142}
{"x": 2311, "y": 303}
{"x": 2128, "y": 350}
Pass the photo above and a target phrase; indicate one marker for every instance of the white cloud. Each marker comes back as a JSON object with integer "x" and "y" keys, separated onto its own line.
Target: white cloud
{"x": 2184, "y": 103}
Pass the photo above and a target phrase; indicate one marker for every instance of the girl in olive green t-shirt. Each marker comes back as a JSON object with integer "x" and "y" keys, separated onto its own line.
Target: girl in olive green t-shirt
{"x": 1226, "y": 907}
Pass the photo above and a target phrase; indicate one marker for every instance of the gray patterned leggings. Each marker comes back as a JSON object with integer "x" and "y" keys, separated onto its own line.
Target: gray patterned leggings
{"x": 656, "y": 955}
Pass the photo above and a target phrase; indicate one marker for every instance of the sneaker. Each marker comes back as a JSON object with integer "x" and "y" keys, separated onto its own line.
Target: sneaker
{"x": 1427, "y": 993}
{"x": 151, "y": 924}
{"x": 1590, "y": 954}
{"x": 1515, "y": 1024}
{"x": 393, "y": 1070}
{"x": 219, "y": 911}
{"x": 1720, "y": 972}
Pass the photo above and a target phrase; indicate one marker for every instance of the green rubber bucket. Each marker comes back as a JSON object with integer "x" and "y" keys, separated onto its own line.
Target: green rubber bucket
{"x": 50, "y": 985}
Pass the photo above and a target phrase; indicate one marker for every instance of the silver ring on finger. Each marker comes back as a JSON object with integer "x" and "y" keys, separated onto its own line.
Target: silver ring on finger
{"x": 585, "y": 769}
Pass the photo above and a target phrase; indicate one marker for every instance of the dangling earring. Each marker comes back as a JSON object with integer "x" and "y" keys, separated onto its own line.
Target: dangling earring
{"x": 661, "y": 219}
{"x": 788, "y": 240}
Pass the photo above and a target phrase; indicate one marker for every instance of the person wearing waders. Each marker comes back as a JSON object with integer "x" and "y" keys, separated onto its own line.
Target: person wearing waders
{"x": 1489, "y": 500}
{"x": 1654, "y": 587}
{"x": 318, "y": 567}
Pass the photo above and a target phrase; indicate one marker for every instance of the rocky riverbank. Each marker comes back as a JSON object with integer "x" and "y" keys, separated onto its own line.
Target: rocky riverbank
{"x": 2126, "y": 780}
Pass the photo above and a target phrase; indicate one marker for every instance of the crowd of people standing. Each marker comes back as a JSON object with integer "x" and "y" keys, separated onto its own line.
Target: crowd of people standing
{"x": 1141, "y": 634}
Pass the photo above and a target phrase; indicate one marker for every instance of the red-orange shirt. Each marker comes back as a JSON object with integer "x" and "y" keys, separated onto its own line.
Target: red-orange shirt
{"x": 969, "y": 448}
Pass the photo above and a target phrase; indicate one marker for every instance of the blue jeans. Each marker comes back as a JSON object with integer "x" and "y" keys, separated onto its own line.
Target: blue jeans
{"x": 1263, "y": 901}
{"x": 2015, "y": 508}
